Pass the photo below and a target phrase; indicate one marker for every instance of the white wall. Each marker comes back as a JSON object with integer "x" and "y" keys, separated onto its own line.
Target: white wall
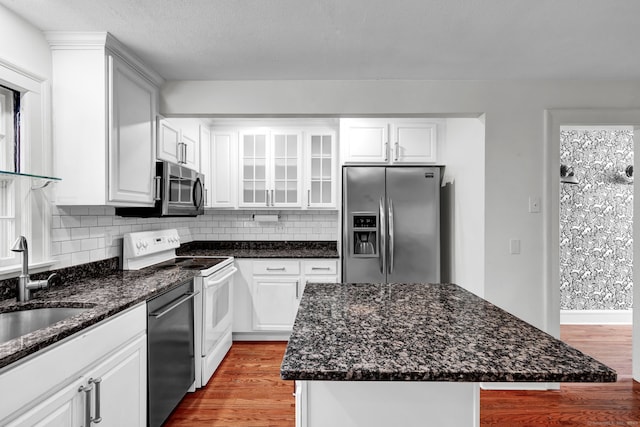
{"x": 23, "y": 45}
{"x": 514, "y": 147}
{"x": 463, "y": 156}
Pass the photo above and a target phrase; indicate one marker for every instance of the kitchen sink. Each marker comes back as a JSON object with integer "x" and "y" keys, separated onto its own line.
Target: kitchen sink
{"x": 14, "y": 324}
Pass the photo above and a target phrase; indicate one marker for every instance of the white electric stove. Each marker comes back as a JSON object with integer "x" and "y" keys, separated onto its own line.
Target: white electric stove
{"x": 213, "y": 285}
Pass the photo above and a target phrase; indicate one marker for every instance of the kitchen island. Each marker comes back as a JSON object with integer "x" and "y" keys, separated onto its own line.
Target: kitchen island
{"x": 414, "y": 355}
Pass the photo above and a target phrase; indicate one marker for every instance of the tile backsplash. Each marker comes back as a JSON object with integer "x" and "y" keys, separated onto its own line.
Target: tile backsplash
{"x": 82, "y": 234}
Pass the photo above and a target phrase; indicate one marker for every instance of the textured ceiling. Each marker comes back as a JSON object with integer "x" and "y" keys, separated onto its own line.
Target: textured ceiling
{"x": 361, "y": 39}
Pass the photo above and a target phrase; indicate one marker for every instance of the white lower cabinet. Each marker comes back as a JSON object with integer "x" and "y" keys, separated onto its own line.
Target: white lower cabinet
{"x": 276, "y": 292}
{"x": 95, "y": 376}
{"x": 123, "y": 387}
{"x": 267, "y": 294}
{"x": 60, "y": 410}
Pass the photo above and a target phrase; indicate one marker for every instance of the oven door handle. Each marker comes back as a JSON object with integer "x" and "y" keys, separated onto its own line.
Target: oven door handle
{"x": 174, "y": 304}
{"x": 231, "y": 272}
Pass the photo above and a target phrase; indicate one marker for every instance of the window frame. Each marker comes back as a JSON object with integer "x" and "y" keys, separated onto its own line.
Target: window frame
{"x": 10, "y": 194}
{"x": 33, "y": 209}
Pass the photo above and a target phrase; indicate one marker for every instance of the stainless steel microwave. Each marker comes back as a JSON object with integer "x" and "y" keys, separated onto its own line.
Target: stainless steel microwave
{"x": 179, "y": 192}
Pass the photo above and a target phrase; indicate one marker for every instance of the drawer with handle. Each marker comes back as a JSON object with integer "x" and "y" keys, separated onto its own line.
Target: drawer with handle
{"x": 323, "y": 267}
{"x": 276, "y": 267}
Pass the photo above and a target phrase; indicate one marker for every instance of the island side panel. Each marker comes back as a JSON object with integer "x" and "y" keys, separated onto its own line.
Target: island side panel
{"x": 387, "y": 403}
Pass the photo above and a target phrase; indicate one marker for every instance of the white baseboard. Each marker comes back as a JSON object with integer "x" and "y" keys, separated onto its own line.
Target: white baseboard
{"x": 596, "y": 317}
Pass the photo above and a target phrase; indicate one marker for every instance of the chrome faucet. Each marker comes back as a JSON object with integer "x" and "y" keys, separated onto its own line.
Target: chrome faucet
{"x": 25, "y": 284}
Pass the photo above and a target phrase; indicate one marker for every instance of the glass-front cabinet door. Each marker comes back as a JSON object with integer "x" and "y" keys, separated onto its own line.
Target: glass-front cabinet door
{"x": 253, "y": 169}
{"x": 270, "y": 169}
{"x": 321, "y": 169}
{"x": 286, "y": 168}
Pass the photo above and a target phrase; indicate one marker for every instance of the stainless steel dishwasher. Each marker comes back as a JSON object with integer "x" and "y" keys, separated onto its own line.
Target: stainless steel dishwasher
{"x": 170, "y": 349}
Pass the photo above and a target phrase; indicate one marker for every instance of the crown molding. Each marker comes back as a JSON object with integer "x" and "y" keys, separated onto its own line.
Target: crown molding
{"x": 101, "y": 40}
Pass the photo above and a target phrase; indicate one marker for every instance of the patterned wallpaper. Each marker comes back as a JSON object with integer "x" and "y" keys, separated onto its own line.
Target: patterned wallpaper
{"x": 596, "y": 218}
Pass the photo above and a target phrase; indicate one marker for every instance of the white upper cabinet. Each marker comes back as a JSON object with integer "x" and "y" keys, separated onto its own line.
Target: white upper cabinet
{"x": 390, "y": 141}
{"x": 270, "y": 168}
{"x": 271, "y": 164}
{"x": 365, "y": 140}
{"x": 169, "y": 147}
{"x": 179, "y": 142}
{"x": 320, "y": 168}
{"x": 224, "y": 169}
{"x": 413, "y": 142}
{"x": 104, "y": 103}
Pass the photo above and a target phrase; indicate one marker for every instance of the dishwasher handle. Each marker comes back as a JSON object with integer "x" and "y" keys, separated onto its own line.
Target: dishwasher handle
{"x": 173, "y": 304}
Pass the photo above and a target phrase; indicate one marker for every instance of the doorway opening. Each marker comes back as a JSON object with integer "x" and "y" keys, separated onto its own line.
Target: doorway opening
{"x": 555, "y": 120}
{"x": 596, "y": 224}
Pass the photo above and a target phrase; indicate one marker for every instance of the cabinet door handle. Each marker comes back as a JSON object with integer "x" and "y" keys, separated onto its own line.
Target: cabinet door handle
{"x": 179, "y": 152}
{"x": 182, "y": 152}
{"x": 97, "y": 382}
{"x": 397, "y": 150}
{"x": 87, "y": 404}
{"x": 321, "y": 268}
{"x": 297, "y": 291}
{"x": 206, "y": 197}
{"x": 266, "y": 195}
{"x": 272, "y": 199}
{"x": 158, "y": 188}
{"x": 386, "y": 151}
{"x": 309, "y": 197}
{"x": 276, "y": 269}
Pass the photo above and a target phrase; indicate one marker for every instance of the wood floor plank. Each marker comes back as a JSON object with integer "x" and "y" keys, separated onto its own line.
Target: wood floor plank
{"x": 247, "y": 390}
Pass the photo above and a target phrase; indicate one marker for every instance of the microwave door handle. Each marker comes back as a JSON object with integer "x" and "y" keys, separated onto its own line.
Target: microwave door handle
{"x": 197, "y": 194}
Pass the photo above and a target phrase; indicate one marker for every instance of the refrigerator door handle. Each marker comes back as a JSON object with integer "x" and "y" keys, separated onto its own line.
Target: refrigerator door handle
{"x": 391, "y": 239}
{"x": 382, "y": 239}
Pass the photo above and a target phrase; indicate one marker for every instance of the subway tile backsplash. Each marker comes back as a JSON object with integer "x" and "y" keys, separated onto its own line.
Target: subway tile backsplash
{"x": 82, "y": 234}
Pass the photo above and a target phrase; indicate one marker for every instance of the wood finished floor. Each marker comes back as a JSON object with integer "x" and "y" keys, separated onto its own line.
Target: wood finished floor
{"x": 247, "y": 390}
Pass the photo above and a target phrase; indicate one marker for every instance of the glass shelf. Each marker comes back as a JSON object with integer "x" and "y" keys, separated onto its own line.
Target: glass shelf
{"x": 48, "y": 179}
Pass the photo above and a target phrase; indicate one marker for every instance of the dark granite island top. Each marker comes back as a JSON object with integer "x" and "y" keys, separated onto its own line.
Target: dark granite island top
{"x": 423, "y": 332}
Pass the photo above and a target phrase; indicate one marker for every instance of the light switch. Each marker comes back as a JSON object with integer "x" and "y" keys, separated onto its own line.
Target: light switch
{"x": 514, "y": 246}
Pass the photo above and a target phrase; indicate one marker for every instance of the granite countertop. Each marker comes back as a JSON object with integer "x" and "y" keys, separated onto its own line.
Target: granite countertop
{"x": 423, "y": 332}
{"x": 261, "y": 249}
{"x": 105, "y": 296}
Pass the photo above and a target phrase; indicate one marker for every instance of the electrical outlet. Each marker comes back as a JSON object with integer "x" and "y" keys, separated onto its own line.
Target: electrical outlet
{"x": 534, "y": 204}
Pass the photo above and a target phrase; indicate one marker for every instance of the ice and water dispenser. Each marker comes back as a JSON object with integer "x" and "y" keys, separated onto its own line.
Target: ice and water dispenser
{"x": 364, "y": 235}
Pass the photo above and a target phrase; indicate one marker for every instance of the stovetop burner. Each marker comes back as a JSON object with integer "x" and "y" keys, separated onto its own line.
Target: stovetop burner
{"x": 192, "y": 263}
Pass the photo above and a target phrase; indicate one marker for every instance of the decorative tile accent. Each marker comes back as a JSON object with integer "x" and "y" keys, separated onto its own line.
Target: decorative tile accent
{"x": 596, "y": 218}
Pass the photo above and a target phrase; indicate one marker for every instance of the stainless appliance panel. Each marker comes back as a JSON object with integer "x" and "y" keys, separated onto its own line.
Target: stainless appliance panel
{"x": 170, "y": 340}
{"x": 413, "y": 206}
{"x": 364, "y": 191}
{"x": 181, "y": 193}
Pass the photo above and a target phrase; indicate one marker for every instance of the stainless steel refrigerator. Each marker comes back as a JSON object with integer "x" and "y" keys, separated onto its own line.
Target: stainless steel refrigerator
{"x": 391, "y": 224}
